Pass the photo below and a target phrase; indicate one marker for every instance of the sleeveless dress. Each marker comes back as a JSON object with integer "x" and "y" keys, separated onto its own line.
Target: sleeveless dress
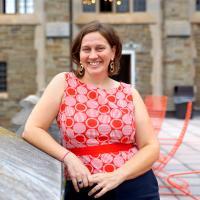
{"x": 92, "y": 117}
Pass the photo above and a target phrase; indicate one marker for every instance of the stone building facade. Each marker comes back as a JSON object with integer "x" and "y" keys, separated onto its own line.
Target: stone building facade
{"x": 161, "y": 45}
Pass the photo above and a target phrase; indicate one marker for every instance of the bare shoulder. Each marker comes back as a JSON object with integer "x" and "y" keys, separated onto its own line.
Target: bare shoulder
{"x": 136, "y": 95}
{"x": 56, "y": 86}
{"x": 58, "y": 81}
{"x": 60, "y": 77}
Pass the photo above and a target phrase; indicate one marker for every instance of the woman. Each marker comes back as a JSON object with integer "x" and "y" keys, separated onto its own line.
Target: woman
{"x": 108, "y": 141}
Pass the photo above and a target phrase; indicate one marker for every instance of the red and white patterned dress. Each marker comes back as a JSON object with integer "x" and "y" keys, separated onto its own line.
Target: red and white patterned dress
{"x": 91, "y": 116}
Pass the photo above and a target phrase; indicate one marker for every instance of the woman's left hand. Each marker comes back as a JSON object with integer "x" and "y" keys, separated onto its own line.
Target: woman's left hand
{"x": 104, "y": 182}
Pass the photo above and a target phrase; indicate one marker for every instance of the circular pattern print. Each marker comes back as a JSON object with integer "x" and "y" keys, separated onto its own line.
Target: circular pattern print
{"x": 91, "y": 116}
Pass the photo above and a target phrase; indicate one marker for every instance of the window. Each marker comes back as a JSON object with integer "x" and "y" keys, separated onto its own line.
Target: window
{"x": 106, "y": 6}
{"x": 9, "y": 6}
{"x": 198, "y": 5}
{"x": 26, "y": 6}
{"x": 18, "y": 6}
{"x": 89, "y": 7}
{"x": 113, "y": 6}
{"x": 139, "y": 5}
{"x": 3, "y": 77}
{"x": 122, "y": 6}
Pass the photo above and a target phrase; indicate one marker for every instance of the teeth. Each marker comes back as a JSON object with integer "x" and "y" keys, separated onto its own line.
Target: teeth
{"x": 94, "y": 63}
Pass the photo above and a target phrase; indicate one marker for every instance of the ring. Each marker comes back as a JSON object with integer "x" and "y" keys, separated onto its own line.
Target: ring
{"x": 79, "y": 182}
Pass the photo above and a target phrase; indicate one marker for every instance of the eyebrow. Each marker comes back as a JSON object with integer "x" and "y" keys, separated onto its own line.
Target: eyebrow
{"x": 98, "y": 45}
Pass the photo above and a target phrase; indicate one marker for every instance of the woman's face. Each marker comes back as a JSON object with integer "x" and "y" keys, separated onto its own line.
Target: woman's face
{"x": 95, "y": 54}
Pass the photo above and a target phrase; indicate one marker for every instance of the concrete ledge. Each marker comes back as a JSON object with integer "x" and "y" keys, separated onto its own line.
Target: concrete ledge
{"x": 26, "y": 172}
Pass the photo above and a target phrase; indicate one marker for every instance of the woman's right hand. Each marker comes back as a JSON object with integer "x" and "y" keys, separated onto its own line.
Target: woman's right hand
{"x": 78, "y": 172}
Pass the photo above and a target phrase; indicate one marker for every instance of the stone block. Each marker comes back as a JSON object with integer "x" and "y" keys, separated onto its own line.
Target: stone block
{"x": 57, "y": 29}
{"x": 26, "y": 172}
{"x": 178, "y": 28}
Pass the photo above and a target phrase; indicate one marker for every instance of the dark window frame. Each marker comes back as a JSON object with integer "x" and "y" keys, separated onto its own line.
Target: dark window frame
{"x": 197, "y": 5}
{"x": 3, "y": 76}
{"x": 108, "y": 8}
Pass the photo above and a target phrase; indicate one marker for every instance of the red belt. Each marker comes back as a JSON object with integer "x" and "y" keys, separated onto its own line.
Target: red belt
{"x": 95, "y": 150}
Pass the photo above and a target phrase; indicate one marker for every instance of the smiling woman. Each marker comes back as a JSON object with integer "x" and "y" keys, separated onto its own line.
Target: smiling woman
{"x": 108, "y": 144}
{"x": 85, "y": 47}
{"x": 96, "y": 54}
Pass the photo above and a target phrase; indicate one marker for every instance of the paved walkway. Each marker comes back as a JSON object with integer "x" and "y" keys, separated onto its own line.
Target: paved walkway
{"x": 187, "y": 157}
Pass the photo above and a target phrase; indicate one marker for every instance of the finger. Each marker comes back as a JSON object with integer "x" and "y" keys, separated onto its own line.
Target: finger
{"x": 101, "y": 193}
{"x": 79, "y": 180}
{"x": 80, "y": 183}
{"x": 94, "y": 189}
{"x": 85, "y": 181}
{"x": 91, "y": 184}
{"x": 75, "y": 184}
{"x": 90, "y": 180}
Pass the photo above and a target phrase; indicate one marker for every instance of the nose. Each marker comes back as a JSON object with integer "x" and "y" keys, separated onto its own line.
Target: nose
{"x": 93, "y": 54}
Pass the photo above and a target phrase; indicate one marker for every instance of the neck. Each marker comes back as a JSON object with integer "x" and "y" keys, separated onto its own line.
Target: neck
{"x": 97, "y": 80}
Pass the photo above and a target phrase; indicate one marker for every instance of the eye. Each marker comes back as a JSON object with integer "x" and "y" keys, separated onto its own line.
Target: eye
{"x": 100, "y": 48}
{"x": 85, "y": 49}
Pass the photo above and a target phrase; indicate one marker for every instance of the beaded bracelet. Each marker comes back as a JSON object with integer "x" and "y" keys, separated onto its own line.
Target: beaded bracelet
{"x": 65, "y": 156}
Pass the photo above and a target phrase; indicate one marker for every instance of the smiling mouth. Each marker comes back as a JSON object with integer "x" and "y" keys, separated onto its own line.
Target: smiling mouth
{"x": 94, "y": 64}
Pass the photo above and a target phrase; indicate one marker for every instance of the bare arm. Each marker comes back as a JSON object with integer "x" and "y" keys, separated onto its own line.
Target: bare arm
{"x": 141, "y": 162}
{"x": 146, "y": 140}
{"x": 42, "y": 116}
{"x": 38, "y": 123}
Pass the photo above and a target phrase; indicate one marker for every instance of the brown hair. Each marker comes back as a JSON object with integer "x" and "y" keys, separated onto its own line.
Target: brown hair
{"x": 108, "y": 33}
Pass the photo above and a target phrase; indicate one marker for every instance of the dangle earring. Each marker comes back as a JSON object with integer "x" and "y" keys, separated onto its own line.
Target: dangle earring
{"x": 111, "y": 66}
{"x": 81, "y": 70}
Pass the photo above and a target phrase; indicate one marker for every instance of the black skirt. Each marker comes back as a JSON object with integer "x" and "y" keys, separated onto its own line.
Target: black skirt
{"x": 144, "y": 187}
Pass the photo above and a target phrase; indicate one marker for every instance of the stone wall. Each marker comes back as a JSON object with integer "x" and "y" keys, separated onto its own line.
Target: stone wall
{"x": 57, "y": 10}
{"x": 1, "y": 6}
{"x": 57, "y": 56}
{"x": 178, "y": 65}
{"x": 196, "y": 36}
{"x": 57, "y": 47}
{"x": 140, "y": 35}
{"x": 176, "y": 9}
{"x": 17, "y": 50}
{"x": 178, "y": 61}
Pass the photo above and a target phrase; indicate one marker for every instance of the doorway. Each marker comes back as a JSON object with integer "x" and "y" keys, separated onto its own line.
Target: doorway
{"x": 127, "y": 68}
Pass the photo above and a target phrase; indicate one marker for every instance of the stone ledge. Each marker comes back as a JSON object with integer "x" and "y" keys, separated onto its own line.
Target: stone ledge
{"x": 195, "y": 18}
{"x": 11, "y": 19}
{"x": 3, "y": 95}
{"x": 26, "y": 172}
{"x": 125, "y": 18}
